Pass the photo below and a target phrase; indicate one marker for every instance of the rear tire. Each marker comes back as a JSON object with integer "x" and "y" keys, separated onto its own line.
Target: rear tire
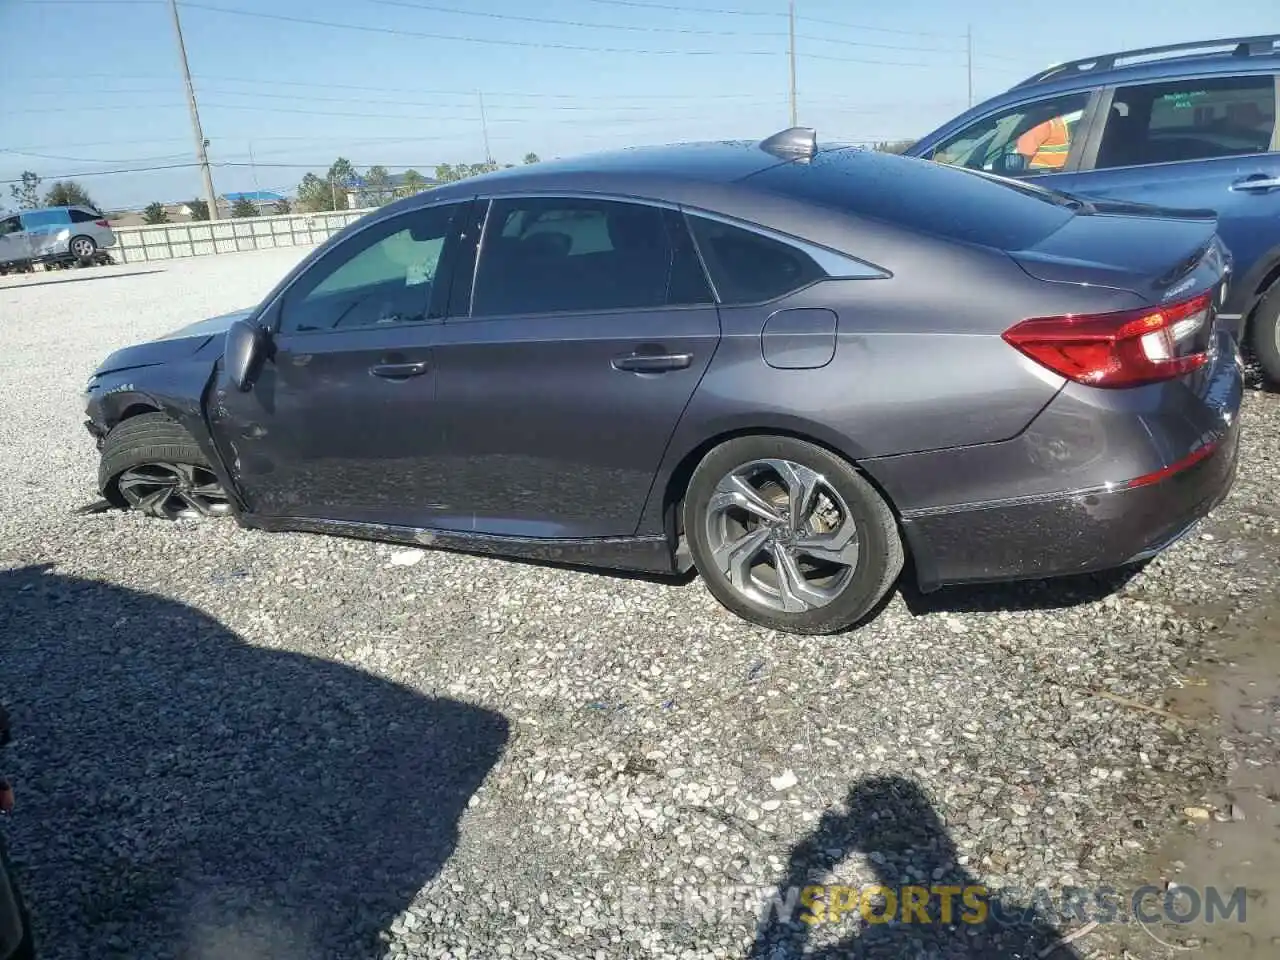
{"x": 1264, "y": 335}
{"x": 84, "y": 249}
{"x": 151, "y": 464}
{"x": 790, "y": 536}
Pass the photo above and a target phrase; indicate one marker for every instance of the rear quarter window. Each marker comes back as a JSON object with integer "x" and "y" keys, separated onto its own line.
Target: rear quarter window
{"x": 84, "y": 216}
{"x": 923, "y": 196}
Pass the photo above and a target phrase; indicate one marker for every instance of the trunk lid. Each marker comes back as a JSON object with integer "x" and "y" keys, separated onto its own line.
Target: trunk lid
{"x": 1146, "y": 250}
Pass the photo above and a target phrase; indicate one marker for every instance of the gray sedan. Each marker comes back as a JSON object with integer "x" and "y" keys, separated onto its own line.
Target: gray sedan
{"x": 800, "y": 370}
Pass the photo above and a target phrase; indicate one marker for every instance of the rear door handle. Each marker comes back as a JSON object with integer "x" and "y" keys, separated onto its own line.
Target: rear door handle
{"x": 652, "y": 362}
{"x": 399, "y": 371}
{"x": 1259, "y": 181}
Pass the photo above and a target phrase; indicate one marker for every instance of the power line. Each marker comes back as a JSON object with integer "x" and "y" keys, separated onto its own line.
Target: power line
{"x": 882, "y": 63}
{"x": 777, "y": 14}
{"x": 549, "y": 21}
{"x": 863, "y": 26}
{"x": 59, "y": 156}
{"x": 421, "y": 103}
{"x": 636, "y": 5}
{"x": 419, "y": 35}
{"x": 876, "y": 46}
{"x": 203, "y": 80}
{"x": 108, "y": 173}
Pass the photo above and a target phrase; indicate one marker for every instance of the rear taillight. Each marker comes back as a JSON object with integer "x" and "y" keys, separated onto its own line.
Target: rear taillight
{"x": 1120, "y": 349}
{"x": 102, "y": 223}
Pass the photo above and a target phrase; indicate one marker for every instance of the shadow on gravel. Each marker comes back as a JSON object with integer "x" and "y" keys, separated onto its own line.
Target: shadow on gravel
{"x": 181, "y": 793}
{"x": 890, "y": 821}
{"x": 1055, "y": 594}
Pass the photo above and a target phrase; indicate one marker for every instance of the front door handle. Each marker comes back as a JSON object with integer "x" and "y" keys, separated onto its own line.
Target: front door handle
{"x": 399, "y": 371}
{"x": 1259, "y": 181}
{"x": 652, "y": 362}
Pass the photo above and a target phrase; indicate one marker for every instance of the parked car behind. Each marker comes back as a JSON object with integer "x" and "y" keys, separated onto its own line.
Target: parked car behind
{"x": 792, "y": 368}
{"x": 54, "y": 234}
{"x": 1185, "y": 125}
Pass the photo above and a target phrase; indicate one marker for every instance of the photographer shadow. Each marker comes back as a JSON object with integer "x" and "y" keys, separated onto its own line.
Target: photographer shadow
{"x": 183, "y": 793}
{"x": 891, "y": 822}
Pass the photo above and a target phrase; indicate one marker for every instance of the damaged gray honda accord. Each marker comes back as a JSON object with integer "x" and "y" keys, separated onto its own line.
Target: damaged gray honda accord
{"x": 796, "y": 369}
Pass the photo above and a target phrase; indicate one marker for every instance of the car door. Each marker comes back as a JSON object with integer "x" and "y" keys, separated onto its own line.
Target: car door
{"x": 47, "y": 232}
{"x": 341, "y": 423}
{"x": 13, "y": 241}
{"x": 562, "y": 377}
{"x": 1209, "y": 143}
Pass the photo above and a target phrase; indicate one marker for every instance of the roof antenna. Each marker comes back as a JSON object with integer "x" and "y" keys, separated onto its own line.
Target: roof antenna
{"x": 794, "y": 143}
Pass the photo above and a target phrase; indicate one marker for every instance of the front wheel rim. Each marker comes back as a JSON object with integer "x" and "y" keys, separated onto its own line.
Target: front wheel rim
{"x": 782, "y": 535}
{"x": 173, "y": 491}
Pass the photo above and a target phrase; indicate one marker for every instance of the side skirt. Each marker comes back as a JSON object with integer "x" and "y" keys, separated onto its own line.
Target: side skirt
{"x": 647, "y": 554}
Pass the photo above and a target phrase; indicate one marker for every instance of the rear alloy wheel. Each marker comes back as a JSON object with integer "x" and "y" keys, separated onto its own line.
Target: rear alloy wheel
{"x": 1265, "y": 335}
{"x": 83, "y": 249}
{"x": 152, "y": 465}
{"x": 790, "y": 536}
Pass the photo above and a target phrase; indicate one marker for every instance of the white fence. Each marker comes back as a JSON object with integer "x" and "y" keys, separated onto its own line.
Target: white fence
{"x": 169, "y": 241}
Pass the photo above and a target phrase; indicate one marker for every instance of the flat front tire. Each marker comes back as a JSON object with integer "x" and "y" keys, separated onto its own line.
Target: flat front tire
{"x": 151, "y": 464}
{"x": 790, "y": 536}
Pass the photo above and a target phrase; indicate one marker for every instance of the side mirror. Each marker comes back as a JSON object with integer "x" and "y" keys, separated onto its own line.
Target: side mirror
{"x": 246, "y": 348}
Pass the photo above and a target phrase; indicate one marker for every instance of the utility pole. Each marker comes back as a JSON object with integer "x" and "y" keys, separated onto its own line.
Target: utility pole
{"x": 791, "y": 23}
{"x": 253, "y": 166}
{"x": 201, "y": 143}
{"x": 968, "y": 42}
{"x": 484, "y": 128}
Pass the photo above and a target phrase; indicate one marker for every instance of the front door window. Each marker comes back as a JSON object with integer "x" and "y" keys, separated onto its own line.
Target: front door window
{"x": 1027, "y": 140}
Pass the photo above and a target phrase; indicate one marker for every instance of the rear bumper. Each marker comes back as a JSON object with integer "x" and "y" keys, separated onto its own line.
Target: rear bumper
{"x": 1072, "y": 533}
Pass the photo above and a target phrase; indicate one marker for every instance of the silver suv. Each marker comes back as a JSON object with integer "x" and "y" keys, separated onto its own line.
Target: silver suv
{"x": 54, "y": 235}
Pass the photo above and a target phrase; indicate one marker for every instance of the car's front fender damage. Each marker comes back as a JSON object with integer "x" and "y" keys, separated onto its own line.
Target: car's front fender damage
{"x": 178, "y": 389}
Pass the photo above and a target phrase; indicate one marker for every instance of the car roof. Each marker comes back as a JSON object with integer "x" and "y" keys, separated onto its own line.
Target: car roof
{"x": 649, "y": 169}
{"x": 849, "y": 199}
{"x": 74, "y": 206}
{"x": 1229, "y": 56}
{"x": 1196, "y": 58}
{"x": 1232, "y": 56}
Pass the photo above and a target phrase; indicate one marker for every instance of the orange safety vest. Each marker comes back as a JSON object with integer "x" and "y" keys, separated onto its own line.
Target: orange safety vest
{"x": 1046, "y": 145}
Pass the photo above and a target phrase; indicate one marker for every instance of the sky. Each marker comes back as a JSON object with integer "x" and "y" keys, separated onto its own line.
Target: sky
{"x": 89, "y": 88}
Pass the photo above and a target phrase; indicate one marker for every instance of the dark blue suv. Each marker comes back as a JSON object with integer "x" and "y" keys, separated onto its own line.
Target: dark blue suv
{"x": 1190, "y": 125}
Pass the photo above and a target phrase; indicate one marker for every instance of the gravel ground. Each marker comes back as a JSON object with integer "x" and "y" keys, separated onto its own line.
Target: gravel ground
{"x": 237, "y": 744}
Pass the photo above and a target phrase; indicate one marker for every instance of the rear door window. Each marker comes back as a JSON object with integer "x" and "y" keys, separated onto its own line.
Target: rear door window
{"x": 1189, "y": 120}
{"x": 545, "y": 255}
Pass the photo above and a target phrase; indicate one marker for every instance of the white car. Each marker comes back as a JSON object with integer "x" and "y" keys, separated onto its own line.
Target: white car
{"x": 54, "y": 234}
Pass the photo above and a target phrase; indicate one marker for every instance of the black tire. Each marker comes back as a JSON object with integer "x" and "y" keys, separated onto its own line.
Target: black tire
{"x": 880, "y": 549}
{"x": 1264, "y": 335}
{"x": 153, "y": 442}
{"x": 83, "y": 249}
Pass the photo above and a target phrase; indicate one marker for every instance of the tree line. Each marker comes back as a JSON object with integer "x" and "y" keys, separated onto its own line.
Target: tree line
{"x": 315, "y": 193}
{"x": 331, "y": 192}
{"x": 64, "y": 193}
